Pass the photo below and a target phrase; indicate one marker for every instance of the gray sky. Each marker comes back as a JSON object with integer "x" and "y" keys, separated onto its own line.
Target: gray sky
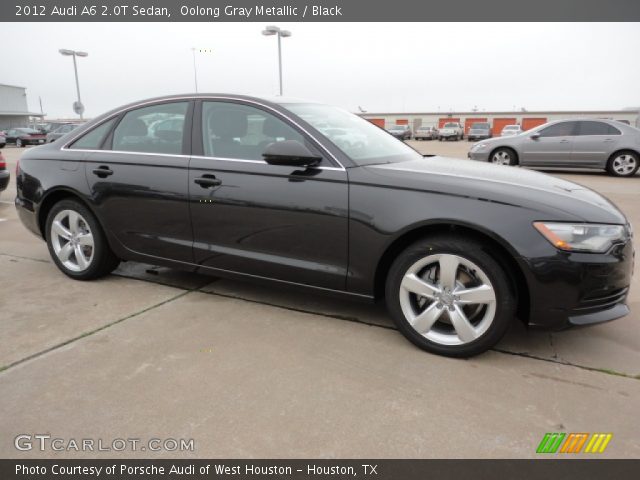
{"x": 380, "y": 66}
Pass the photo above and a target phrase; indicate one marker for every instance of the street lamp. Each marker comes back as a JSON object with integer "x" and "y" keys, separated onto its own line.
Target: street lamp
{"x": 273, "y": 30}
{"x": 195, "y": 71}
{"x": 77, "y": 106}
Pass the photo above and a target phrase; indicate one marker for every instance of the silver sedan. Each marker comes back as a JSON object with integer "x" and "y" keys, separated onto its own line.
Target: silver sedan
{"x": 598, "y": 144}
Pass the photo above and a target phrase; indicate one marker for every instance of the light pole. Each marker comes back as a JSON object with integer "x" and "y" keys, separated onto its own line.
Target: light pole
{"x": 78, "y": 107}
{"x": 195, "y": 71}
{"x": 273, "y": 30}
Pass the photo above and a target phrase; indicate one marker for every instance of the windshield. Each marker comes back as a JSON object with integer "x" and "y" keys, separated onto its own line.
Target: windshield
{"x": 450, "y": 125}
{"x": 27, "y": 130}
{"x": 358, "y": 138}
{"x": 512, "y": 127}
{"x": 480, "y": 126}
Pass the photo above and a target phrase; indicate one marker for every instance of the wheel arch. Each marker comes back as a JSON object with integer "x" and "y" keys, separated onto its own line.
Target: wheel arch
{"x": 494, "y": 245}
{"x": 635, "y": 151}
{"x": 54, "y": 196}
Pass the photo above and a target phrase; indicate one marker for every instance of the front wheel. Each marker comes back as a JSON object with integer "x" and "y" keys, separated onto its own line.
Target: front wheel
{"x": 623, "y": 164}
{"x": 449, "y": 296}
{"x": 77, "y": 243}
{"x": 503, "y": 156}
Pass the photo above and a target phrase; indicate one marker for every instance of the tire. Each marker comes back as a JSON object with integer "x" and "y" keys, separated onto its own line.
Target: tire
{"x": 478, "y": 326}
{"x": 503, "y": 156}
{"x": 19, "y": 143}
{"x": 2, "y": 145}
{"x": 97, "y": 258}
{"x": 623, "y": 164}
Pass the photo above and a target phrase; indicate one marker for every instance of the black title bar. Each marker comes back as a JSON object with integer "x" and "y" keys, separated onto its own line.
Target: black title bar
{"x": 318, "y": 10}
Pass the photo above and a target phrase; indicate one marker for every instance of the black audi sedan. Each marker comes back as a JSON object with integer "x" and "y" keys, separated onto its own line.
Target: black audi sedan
{"x": 245, "y": 187}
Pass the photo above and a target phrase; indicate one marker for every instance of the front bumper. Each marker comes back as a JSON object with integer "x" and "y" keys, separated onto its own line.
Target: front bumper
{"x": 574, "y": 289}
{"x": 482, "y": 155}
{"x": 477, "y": 136}
{"x": 4, "y": 179}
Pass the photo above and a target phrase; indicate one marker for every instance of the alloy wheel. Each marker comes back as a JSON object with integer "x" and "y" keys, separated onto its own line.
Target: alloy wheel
{"x": 624, "y": 164}
{"x": 72, "y": 240}
{"x": 501, "y": 157}
{"x": 448, "y": 299}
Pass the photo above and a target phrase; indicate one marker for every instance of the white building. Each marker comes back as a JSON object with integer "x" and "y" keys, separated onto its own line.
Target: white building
{"x": 13, "y": 108}
{"x": 497, "y": 119}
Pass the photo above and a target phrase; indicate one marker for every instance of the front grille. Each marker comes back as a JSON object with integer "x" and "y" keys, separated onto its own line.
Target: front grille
{"x": 600, "y": 301}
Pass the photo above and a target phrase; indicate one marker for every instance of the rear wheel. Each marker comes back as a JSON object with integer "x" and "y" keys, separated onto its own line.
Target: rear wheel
{"x": 503, "y": 156}
{"x": 623, "y": 164}
{"x": 448, "y": 296}
{"x": 19, "y": 143}
{"x": 77, "y": 243}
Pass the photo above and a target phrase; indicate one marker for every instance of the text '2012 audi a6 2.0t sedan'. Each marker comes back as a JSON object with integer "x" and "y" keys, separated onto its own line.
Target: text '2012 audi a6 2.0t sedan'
{"x": 261, "y": 189}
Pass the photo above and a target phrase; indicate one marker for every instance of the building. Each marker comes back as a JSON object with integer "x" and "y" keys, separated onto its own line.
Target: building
{"x": 497, "y": 119}
{"x": 13, "y": 108}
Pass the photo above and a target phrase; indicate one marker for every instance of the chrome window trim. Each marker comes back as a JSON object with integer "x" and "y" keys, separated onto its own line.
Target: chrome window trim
{"x": 192, "y": 98}
{"x": 223, "y": 159}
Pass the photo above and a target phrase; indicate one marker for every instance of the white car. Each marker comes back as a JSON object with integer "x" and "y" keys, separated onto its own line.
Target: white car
{"x": 451, "y": 130}
{"x": 509, "y": 130}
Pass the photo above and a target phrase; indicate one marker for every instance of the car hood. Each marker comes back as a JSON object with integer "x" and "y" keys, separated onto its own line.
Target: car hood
{"x": 554, "y": 198}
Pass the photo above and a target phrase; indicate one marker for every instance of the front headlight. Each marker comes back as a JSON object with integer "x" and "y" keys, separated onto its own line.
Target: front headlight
{"x": 479, "y": 146}
{"x": 581, "y": 237}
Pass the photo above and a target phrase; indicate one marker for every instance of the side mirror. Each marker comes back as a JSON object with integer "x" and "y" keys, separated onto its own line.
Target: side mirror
{"x": 291, "y": 153}
{"x": 535, "y": 136}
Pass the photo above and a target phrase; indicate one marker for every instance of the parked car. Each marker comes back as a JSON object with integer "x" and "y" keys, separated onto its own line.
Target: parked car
{"x": 451, "y": 130}
{"x": 597, "y": 144}
{"x": 51, "y": 126}
{"x": 402, "y": 132}
{"x": 4, "y": 173}
{"x": 22, "y": 137}
{"x": 3, "y": 140}
{"x": 510, "y": 130}
{"x": 456, "y": 249}
{"x": 60, "y": 131}
{"x": 426, "y": 133}
{"x": 479, "y": 131}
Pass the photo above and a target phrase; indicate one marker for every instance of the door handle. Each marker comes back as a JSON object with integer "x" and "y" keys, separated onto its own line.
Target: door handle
{"x": 564, "y": 141}
{"x": 608, "y": 140}
{"x": 208, "y": 181}
{"x": 102, "y": 171}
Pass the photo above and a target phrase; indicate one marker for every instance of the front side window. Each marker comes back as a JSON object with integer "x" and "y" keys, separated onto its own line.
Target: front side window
{"x": 242, "y": 132}
{"x": 94, "y": 138}
{"x": 597, "y": 128}
{"x": 154, "y": 129}
{"x": 359, "y": 139}
{"x": 562, "y": 129}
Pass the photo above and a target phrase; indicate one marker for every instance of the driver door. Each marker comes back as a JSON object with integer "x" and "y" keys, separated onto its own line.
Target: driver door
{"x": 553, "y": 147}
{"x": 281, "y": 222}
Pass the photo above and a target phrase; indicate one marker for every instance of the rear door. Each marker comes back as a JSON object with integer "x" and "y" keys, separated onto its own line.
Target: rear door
{"x": 287, "y": 223}
{"x": 138, "y": 180}
{"x": 594, "y": 142}
{"x": 552, "y": 148}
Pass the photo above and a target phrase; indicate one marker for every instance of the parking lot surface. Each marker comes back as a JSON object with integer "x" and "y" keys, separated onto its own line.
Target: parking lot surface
{"x": 260, "y": 372}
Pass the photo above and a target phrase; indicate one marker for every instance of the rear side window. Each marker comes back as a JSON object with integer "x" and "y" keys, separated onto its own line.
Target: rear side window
{"x": 597, "y": 128}
{"x": 93, "y": 139}
{"x": 562, "y": 129}
{"x": 154, "y": 129}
